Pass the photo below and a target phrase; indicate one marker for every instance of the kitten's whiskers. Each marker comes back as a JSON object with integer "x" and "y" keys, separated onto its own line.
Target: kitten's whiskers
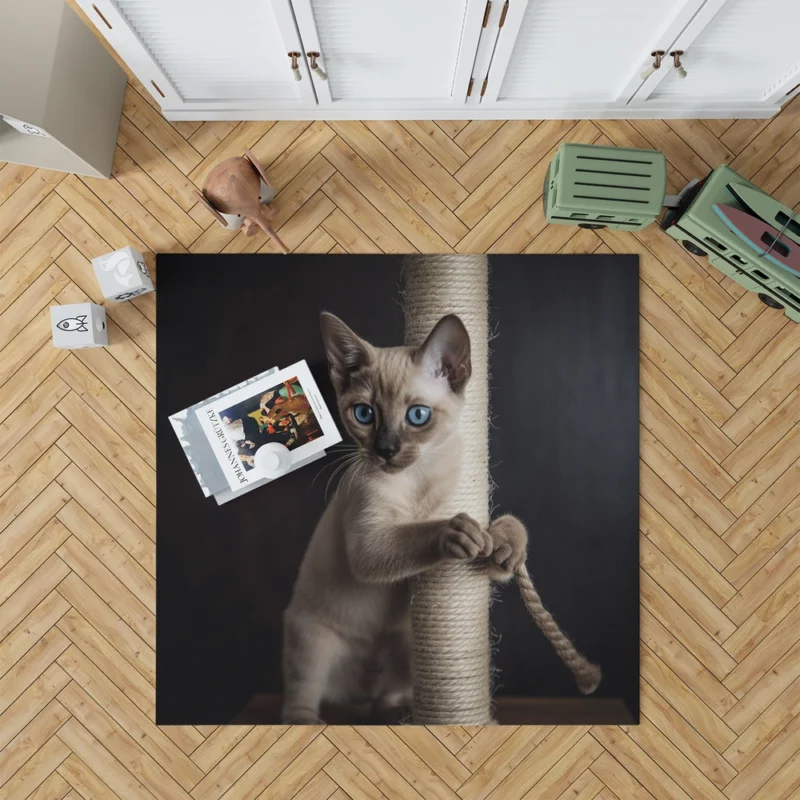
{"x": 347, "y": 461}
{"x": 343, "y": 457}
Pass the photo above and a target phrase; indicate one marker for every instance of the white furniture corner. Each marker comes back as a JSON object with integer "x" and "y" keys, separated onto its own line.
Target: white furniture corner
{"x": 469, "y": 59}
{"x": 59, "y": 79}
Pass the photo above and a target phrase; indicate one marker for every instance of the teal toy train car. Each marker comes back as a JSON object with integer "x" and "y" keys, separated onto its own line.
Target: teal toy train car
{"x": 702, "y": 232}
{"x": 605, "y": 187}
{"x": 593, "y": 186}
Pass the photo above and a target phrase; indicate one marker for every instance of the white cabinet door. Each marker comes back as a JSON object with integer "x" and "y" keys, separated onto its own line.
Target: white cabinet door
{"x": 208, "y": 54}
{"x": 735, "y": 51}
{"x": 393, "y": 54}
{"x": 573, "y": 53}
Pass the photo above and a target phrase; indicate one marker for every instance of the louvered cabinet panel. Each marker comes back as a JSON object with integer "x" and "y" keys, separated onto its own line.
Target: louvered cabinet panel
{"x": 582, "y": 50}
{"x": 207, "y": 53}
{"x": 390, "y": 51}
{"x": 214, "y": 50}
{"x": 745, "y": 52}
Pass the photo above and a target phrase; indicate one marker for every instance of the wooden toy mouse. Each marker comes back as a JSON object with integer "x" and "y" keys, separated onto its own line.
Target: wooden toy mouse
{"x": 234, "y": 189}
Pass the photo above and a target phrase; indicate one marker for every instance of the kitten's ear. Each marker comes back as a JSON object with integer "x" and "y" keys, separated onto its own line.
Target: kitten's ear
{"x": 446, "y": 352}
{"x": 346, "y": 351}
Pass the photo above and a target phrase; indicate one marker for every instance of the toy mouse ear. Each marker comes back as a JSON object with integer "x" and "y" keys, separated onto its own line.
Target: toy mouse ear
{"x": 214, "y": 213}
{"x": 248, "y": 154}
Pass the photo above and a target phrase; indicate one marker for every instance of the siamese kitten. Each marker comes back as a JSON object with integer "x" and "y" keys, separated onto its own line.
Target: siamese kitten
{"x": 347, "y": 627}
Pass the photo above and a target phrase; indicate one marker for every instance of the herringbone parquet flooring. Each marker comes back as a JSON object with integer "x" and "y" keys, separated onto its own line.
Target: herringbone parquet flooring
{"x": 720, "y": 471}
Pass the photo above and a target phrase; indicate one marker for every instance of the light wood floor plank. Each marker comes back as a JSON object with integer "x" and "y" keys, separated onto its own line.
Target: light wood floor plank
{"x": 120, "y": 492}
{"x": 419, "y": 161}
{"x": 119, "y": 744}
{"x": 54, "y": 787}
{"x": 503, "y": 762}
{"x": 31, "y": 666}
{"x": 159, "y": 131}
{"x": 389, "y": 202}
{"x": 32, "y": 556}
{"x": 567, "y": 769}
{"x": 230, "y": 769}
{"x": 91, "y": 606}
{"x": 30, "y": 230}
{"x": 102, "y": 767}
{"x": 144, "y": 153}
{"x": 669, "y": 612}
{"x": 135, "y": 573}
{"x": 437, "y": 143}
{"x": 26, "y": 198}
{"x": 36, "y": 770}
{"x": 99, "y": 217}
{"x": 497, "y": 182}
{"x": 774, "y": 720}
{"x": 124, "y": 711}
{"x": 12, "y": 176}
{"x": 684, "y": 737}
{"x": 106, "y": 405}
{"x": 144, "y": 189}
{"x": 209, "y": 135}
{"x": 110, "y": 588}
{"x": 351, "y": 781}
{"x": 771, "y": 612}
{"x": 381, "y": 159}
{"x": 286, "y": 150}
{"x": 31, "y": 629}
{"x": 35, "y": 736}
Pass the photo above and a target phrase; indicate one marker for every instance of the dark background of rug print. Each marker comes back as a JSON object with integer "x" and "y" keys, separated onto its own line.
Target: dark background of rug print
{"x": 564, "y": 450}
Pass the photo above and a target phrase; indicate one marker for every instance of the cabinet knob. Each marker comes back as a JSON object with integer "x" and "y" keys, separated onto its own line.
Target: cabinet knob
{"x": 295, "y": 67}
{"x": 657, "y": 56}
{"x": 315, "y": 68}
{"x": 676, "y": 57}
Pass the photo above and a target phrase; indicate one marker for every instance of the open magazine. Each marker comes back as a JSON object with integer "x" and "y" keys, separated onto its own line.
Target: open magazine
{"x": 222, "y": 435}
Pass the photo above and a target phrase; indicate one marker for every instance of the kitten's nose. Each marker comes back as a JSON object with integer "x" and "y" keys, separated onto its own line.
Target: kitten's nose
{"x": 386, "y": 448}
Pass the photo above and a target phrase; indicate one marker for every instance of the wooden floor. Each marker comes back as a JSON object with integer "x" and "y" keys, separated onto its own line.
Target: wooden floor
{"x": 720, "y": 471}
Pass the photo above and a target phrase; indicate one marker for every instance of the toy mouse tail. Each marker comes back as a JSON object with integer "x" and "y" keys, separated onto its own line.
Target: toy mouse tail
{"x": 270, "y": 231}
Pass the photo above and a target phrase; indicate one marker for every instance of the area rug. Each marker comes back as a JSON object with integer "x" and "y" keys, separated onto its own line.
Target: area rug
{"x": 562, "y": 436}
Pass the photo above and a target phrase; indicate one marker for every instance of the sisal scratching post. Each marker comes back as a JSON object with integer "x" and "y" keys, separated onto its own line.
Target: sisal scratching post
{"x": 450, "y": 606}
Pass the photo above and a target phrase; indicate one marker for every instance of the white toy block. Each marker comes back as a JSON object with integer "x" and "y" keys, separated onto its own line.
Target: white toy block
{"x": 78, "y": 325}
{"x": 122, "y": 274}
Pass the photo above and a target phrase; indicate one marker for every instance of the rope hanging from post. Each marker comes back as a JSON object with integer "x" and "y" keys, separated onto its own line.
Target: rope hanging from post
{"x": 587, "y": 675}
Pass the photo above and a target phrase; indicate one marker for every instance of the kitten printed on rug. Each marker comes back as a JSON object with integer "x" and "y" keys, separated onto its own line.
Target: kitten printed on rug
{"x": 347, "y": 628}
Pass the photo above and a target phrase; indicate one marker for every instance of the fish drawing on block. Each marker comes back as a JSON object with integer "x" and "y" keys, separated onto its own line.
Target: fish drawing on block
{"x": 74, "y": 324}
{"x": 767, "y": 241}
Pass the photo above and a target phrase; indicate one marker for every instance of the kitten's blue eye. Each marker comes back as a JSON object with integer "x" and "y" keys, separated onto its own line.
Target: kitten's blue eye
{"x": 418, "y": 415}
{"x": 363, "y": 413}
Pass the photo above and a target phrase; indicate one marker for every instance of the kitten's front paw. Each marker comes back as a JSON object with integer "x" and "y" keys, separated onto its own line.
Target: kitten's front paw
{"x": 464, "y": 539}
{"x": 509, "y": 546}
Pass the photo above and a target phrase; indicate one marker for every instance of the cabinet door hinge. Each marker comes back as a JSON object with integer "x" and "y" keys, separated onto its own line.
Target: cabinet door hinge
{"x": 503, "y": 15}
{"x": 486, "y": 13}
{"x": 483, "y": 88}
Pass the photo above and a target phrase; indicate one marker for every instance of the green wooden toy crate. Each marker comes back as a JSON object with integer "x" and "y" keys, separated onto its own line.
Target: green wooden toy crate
{"x": 696, "y": 225}
{"x": 598, "y": 187}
